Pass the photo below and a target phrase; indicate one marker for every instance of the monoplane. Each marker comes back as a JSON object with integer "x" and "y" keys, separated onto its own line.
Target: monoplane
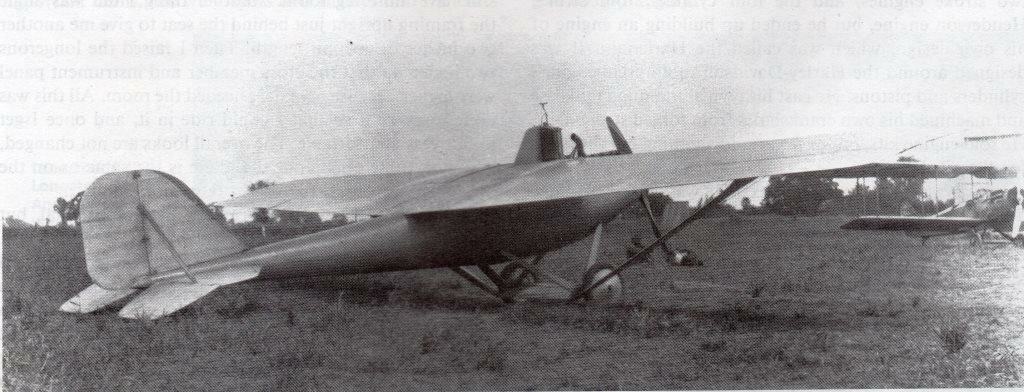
{"x": 147, "y": 235}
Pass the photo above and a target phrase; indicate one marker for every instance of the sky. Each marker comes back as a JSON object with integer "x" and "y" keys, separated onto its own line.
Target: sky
{"x": 221, "y": 93}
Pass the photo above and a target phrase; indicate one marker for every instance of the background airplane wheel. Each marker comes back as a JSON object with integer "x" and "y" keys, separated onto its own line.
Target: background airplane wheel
{"x": 610, "y": 290}
{"x": 683, "y": 257}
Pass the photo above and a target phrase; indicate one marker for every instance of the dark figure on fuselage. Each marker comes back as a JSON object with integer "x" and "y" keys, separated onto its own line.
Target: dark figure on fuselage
{"x": 577, "y": 151}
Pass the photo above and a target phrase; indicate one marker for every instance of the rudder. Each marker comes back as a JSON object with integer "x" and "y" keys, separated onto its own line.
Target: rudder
{"x": 142, "y": 222}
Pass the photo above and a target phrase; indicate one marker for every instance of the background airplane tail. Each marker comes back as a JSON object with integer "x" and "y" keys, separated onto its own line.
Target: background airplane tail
{"x": 1018, "y": 210}
{"x": 139, "y": 223}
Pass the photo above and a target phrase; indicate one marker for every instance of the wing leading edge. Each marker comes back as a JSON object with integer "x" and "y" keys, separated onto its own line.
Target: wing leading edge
{"x": 843, "y": 156}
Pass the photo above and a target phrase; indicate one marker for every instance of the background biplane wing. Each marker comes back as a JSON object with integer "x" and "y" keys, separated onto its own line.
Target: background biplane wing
{"x": 836, "y": 156}
{"x": 914, "y": 223}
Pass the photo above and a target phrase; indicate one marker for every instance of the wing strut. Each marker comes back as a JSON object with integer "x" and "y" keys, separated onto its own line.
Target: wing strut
{"x": 735, "y": 186}
{"x": 646, "y": 200}
{"x": 595, "y": 246}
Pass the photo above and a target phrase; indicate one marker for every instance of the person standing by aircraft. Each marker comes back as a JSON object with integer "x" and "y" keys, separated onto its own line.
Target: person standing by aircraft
{"x": 577, "y": 151}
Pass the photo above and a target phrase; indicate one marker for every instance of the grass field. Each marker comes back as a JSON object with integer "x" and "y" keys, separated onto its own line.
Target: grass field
{"x": 813, "y": 307}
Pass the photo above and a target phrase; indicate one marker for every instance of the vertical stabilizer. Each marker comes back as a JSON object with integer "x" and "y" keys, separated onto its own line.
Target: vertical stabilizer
{"x": 143, "y": 222}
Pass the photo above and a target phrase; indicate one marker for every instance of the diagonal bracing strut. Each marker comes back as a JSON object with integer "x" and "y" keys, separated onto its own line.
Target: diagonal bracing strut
{"x": 167, "y": 242}
{"x": 504, "y": 288}
{"x": 646, "y": 200}
{"x": 735, "y": 186}
{"x": 476, "y": 281}
{"x": 537, "y": 272}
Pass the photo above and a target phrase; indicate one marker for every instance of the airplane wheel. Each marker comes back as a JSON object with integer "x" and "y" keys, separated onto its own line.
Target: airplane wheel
{"x": 511, "y": 271}
{"x": 610, "y": 290}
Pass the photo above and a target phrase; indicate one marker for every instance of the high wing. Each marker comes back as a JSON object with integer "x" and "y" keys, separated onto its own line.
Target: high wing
{"x": 836, "y": 156}
{"x": 356, "y": 194}
{"x": 914, "y": 223}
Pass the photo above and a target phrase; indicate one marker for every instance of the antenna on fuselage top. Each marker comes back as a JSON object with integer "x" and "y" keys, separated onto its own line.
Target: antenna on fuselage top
{"x": 545, "y": 110}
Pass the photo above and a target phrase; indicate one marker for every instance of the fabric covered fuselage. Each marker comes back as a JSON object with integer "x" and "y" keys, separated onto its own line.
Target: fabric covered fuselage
{"x": 452, "y": 238}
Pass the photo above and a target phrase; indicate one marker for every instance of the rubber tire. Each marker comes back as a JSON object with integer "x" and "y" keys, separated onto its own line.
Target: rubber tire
{"x": 588, "y": 278}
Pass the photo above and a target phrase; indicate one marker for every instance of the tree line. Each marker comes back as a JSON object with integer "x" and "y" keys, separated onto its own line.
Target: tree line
{"x": 806, "y": 195}
{"x": 294, "y": 218}
{"x": 69, "y": 210}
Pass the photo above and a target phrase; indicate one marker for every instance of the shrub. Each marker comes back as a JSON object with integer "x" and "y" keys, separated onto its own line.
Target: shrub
{"x": 953, "y": 338}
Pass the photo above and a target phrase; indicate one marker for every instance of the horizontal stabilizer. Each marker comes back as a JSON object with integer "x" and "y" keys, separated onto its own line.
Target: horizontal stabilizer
{"x": 913, "y": 223}
{"x": 94, "y": 298}
{"x": 164, "y": 298}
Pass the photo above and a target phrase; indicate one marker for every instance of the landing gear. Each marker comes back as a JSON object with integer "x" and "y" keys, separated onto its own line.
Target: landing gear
{"x": 513, "y": 278}
{"x": 610, "y": 290}
{"x": 517, "y": 276}
{"x": 672, "y": 256}
{"x": 600, "y": 280}
{"x": 588, "y": 287}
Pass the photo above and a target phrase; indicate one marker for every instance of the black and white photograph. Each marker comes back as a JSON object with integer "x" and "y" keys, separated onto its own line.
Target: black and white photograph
{"x": 476, "y": 195}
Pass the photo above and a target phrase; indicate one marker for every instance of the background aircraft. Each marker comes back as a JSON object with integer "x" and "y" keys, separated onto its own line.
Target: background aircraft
{"x": 145, "y": 231}
{"x": 998, "y": 210}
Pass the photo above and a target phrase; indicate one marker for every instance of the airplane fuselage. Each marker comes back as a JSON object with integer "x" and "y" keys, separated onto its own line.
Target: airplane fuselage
{"x": 442, "y": 239}
{"x": 431, "y": 240}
